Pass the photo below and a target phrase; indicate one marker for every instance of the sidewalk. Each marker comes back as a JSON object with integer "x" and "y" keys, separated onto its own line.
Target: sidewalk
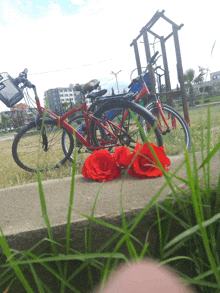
{"x": 21, "y": 210}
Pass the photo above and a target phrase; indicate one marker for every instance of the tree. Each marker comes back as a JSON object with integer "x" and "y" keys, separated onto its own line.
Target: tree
{"x": 6, "y": 123}
{"x": 65, "y": 106}
{"x": 125, "y": 91}
{"x": 17, "y": 119}
{"x": 190, "y": 78}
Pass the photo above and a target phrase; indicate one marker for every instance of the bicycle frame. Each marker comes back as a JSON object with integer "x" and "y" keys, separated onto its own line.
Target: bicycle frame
{"x": 145, "y": 91}
{"x": 62, "y": 121}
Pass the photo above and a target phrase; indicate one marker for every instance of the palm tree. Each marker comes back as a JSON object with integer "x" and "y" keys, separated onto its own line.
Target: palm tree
{"x": 190, "y": 78}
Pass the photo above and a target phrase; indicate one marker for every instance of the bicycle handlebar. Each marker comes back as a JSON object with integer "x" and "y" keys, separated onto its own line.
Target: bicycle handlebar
{"x": 153, "y": 57}
{"x": 22, "y": 78}
{"x": 135, "y": 80}
{"x": 151, "y": 61}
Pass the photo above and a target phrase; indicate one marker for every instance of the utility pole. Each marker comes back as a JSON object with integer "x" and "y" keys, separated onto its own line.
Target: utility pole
{"x": 116, "y": 78}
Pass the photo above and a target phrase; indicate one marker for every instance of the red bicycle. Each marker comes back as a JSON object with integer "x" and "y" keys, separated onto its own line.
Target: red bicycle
{"x": 47, "y": 142}
{"x": 173, "y": 127}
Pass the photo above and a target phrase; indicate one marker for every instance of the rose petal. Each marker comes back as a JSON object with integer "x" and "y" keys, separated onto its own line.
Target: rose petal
{"x": 145, "y": 164}
{"x": 101, "y": 166}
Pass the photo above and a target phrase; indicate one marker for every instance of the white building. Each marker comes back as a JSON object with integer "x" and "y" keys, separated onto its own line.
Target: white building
{"x": 67, "y": 95}
{"x": 60, "y": 95}
{"x": 214, "y": 81}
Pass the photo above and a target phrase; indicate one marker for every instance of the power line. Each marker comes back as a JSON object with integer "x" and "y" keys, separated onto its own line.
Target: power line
{"x": 107, "y": 81}
{"x": 71, "y": 68}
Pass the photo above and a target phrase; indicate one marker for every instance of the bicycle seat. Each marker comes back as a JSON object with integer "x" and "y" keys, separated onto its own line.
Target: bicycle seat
{"x": 90, "y": 86}
{"x": 97, "y": 94}
{"x": 87, "y": 87}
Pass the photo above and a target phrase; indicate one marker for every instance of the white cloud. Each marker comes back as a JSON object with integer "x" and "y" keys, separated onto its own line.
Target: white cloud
{"x": 78, "y": 2}
{"x": 99, "y": 33}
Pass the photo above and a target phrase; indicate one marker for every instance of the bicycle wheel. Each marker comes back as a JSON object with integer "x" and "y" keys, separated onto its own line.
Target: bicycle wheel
{"x": 30, "y": 149}
{"x": 177, "y": 137}
{"x": 78, "y": 123}
{"x": 128, "y": 133}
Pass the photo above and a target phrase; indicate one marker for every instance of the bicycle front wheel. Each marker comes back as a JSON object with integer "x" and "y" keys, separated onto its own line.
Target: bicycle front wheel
{"x": 32, "y": 150}
{"x": 126, "y": 130}
{"x": 78, "y": 123}
{"x": 175, "y": 138}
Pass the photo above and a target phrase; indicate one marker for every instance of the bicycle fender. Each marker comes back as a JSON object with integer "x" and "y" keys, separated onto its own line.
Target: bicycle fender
{"x": 152, "y": 104}
{"x": 112, "y": 99}
{"x": 152, "y": 118}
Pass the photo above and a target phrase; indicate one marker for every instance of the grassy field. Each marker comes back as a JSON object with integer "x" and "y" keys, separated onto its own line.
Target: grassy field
{"x": 11, "y": 174}
{"x": 186, "y": 226}
{"x": 198, "y": 120}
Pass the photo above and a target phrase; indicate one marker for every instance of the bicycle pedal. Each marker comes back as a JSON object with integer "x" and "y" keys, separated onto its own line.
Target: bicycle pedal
{"x": 88, "y": 151}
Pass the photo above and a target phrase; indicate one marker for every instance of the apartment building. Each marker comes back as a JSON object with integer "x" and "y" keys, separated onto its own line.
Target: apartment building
{"x": 18, "y": 111}
{"x": 58, "y": 96}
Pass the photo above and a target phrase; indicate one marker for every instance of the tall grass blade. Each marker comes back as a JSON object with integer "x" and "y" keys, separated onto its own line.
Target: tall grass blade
{"x": 192, "y": 230}
{"x": 69, "y": 214}
{"x": 210, "y": 155}
{"x": 71, "y": 200}
{"x": 12, "y": 263}
{"x": 175, "y": 259}
{"x": 152, "y": 150}
{"x": 143, "y": 251}
{"x": 44, "y": 211}
{"x": 37, "y": 280}
{"x": 160, "y": 231}
{"x": 130, "y": 246}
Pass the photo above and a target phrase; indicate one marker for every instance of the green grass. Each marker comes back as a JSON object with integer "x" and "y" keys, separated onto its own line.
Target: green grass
{"x": 187, "y": 226}
{"x": 12, "y": 175}
{"x": 211, "y": 99}
{"x": 198, "y": 121}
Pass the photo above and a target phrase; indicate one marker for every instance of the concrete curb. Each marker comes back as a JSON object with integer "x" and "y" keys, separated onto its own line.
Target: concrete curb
{"x": 21, "y": 218}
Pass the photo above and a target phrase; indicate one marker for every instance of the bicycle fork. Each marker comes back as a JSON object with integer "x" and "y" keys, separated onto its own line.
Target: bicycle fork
{"x": 159, "y": 106}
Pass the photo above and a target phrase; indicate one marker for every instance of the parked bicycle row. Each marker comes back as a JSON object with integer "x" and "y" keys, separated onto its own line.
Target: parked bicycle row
{"x": 48, "y": 142}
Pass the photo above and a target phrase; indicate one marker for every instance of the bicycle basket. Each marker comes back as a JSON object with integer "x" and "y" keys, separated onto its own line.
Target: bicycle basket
{"x": 138, "y": 86}
{"x": 10, "y": 94}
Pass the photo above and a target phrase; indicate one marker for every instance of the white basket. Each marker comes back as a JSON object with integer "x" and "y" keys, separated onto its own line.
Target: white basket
{"x": 10, "y": 94}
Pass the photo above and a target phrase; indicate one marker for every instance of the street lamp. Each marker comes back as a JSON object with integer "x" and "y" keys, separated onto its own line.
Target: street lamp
{"x": 116, "y": 78}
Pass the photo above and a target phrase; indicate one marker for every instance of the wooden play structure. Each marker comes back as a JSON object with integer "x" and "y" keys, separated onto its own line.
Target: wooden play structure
{"x": 147, "y": 29}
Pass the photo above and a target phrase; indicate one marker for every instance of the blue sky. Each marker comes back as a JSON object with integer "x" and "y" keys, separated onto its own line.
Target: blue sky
{"x": 74, "y": 41}
{"x": 36, "y": 8}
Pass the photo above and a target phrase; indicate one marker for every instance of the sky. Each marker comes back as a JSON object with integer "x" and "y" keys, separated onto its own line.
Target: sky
{"x": 74, "y": 41}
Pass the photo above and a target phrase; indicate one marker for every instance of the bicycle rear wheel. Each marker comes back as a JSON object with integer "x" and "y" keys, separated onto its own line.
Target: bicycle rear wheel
{"x": 177, "y": 137}
{"x": 30, "y": 149}
{"x": 128, "y": 133}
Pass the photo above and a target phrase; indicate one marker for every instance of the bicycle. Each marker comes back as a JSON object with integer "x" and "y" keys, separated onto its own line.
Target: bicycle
{"x": 173, "y": 127}
{"x": 47, "y": 142}
{"x": 175, "y": 131}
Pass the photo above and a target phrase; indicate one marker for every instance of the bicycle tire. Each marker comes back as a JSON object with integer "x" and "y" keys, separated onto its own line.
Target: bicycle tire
{"x": 78, "y": 123}
{"x": 132, "y": 133}
{"x": 27, "y": 152}
{"x": 179, "y": 137}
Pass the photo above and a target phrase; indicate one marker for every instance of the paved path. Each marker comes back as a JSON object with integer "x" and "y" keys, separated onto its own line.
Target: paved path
{"x": 21, "y": 209}
{"x": 6, "y": 137}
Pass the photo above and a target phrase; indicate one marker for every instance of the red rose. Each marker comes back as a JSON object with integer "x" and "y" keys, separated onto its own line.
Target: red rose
{"x": 101, "y": 166}
{"x": 147, "y": 166}
{"x": 122, "y": 156}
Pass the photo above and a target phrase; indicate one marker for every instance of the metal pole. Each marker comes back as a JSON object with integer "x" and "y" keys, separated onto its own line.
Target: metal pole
{"x": 116, "y": 78}
{"x": 147, "y": 52}
{"x": 137, "y": 57}
{"x": 180, "y": 74}
{"x": 166, "y": 71}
